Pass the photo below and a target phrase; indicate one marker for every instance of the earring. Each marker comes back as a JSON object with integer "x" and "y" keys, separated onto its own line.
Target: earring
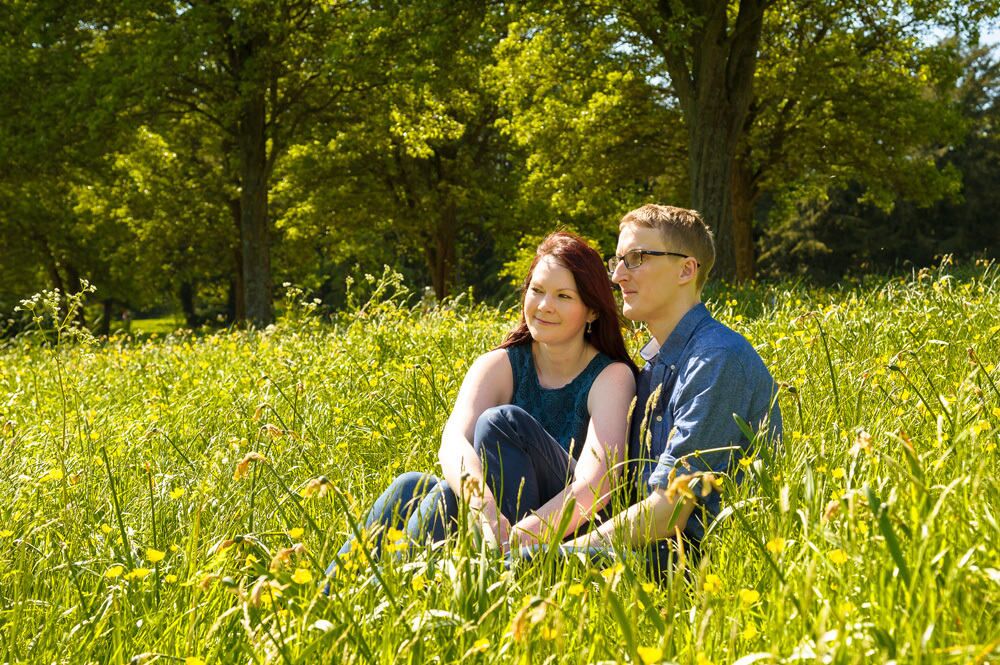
{"x": 590, "y": 327}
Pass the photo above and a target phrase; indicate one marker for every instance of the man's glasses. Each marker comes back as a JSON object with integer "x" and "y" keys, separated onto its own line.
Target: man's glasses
{"x": 633, "y": 258}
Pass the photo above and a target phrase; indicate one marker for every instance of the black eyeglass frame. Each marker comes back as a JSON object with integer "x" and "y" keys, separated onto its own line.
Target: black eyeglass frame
{"x": 615, "y": 260}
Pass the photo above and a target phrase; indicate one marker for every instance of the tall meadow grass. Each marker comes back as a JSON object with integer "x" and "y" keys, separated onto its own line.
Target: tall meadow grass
{"x": 177, "y": 498}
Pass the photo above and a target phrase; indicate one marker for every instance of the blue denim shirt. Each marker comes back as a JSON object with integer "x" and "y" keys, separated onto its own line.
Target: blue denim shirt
{"x": 692, "y": 386}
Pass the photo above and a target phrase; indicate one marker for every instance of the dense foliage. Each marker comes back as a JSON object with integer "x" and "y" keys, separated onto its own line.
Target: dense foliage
{"x": 191, "y": 156}
{"x": 181, "y": 495}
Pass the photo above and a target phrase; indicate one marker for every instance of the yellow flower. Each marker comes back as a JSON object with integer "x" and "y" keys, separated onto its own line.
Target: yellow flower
{"x": 480, "y": 645}
{"x": 302, "y": 576}
{"x": 650, "y": 655}
{"x": 94, "y": 436}
{"x": 177, "y": 492}
{"x": 775, "y": 545}
{"x": 6, "y": 533}
{"x": 648, "y": 587}
{"x": 713, "y": 583}
{"x": 419, "y": 582}
{"x": 174, "y": 548}
{"x": 612, "y": 573}
{"x": 154, "y": 556}
{"x": 105, "y": 529}
{"x": 748, "y": 597}
{"x": 846, "y": 607}
{"x": 113, "y": 571}
{"x": 702, "y": 659}
{"x": 395, "y": 541}
{"x": 574, "y": 589}
{"x": 837, "y": 556}
{"x": 296, "y": 532}
{"x": 51, "y": 474}
{"x": 170, "y": 579}
{"x": 137, "y": 574}
{"x": 838, "y": 473}
{"x": 750, "y": 631}
{"x": 194, "y": 660}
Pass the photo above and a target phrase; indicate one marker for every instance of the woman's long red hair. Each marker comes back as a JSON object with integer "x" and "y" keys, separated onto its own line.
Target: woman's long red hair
{"x": 594, "y": 287}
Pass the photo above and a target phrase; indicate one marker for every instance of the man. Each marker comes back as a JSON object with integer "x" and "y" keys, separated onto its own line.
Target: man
{"x": 698, "y": 375}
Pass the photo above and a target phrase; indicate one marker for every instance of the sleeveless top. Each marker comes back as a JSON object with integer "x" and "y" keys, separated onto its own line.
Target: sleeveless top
{"x": 561, "y": 411}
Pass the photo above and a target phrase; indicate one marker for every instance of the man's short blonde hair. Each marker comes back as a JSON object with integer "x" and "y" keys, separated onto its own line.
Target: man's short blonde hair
{"x": 682, "y": 230}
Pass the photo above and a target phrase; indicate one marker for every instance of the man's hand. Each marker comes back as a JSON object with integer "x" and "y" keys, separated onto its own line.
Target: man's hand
{"x": 661, "y": 515}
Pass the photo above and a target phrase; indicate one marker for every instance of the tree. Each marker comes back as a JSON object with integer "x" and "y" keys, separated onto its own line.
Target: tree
{"x": 601, "y": 131}
{"x": 48, "y": 64}
{"x": 416, "y": 167}
{"x": 173, "y": 200}
{"x": 261, "y": 73}
{"x": 854, "y": 230}
{"x": 710, "y": 54}
{"x": 841, "y": 100}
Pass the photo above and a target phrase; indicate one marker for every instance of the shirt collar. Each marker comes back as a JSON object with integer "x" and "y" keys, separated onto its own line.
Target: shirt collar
{"x": 678, "y": 339}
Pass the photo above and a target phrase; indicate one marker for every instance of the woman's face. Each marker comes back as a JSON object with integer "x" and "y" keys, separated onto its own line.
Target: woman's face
{"x": 553, "y": 309}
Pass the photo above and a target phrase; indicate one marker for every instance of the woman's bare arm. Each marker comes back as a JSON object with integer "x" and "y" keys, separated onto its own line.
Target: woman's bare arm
{"x": 488, "y": 383}
{"x": 609, "y": 401}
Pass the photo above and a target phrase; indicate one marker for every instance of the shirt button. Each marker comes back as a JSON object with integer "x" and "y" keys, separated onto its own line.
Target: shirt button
{"x": 659, "y": 419}
{"x": 673, "y": 368}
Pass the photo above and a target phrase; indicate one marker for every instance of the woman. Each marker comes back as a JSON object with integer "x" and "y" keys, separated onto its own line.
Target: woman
{"x": 538, "y": 421}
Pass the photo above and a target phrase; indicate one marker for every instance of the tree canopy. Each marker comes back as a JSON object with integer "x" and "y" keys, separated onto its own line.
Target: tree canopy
{"x": 191, "y": 155}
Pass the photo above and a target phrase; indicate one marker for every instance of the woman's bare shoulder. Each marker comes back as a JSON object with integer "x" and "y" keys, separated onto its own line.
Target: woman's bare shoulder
{"x": 616, "y": 378}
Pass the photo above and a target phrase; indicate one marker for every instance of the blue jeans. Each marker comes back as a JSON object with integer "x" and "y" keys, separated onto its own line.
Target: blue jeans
{"x": 523, "y": 465}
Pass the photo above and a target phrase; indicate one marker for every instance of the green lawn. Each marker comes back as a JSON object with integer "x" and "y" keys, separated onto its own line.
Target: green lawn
{"x": 160, "y": 326}
{"x": 156, "y": 493}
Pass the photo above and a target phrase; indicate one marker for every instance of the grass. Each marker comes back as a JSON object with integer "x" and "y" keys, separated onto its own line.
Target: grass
{"x": 163, "y": 325}
{"x": 124, "y": 535}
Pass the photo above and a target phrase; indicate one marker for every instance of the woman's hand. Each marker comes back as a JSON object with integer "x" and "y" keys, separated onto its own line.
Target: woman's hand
{"x": 495, "y": 527}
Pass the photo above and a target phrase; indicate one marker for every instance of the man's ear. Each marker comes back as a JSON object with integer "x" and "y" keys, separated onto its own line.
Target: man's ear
{"x": 690, "y": 270}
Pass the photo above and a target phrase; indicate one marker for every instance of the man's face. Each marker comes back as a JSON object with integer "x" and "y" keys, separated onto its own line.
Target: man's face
{"x": 649, "y": 289}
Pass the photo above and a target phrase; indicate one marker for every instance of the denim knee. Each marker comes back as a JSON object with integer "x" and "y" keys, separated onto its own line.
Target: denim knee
{"x": 406, "y": 484}
{"x": 500, "y": 420}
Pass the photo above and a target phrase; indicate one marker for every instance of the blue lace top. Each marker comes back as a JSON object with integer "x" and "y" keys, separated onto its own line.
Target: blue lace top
{"x": 561, "y": 411}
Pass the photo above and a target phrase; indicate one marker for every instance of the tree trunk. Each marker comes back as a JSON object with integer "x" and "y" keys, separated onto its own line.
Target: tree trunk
{"x": 237, "y": 300}
{"x": 744, "y": 193}
{"x": 52, "y": 266}
{"x": 254, "y": 232}
{"x": 187, "y": 304}
{"x": 710, "y": 171}
{"x": 712, "y": 72}
{"x": 108, "y": 310}
{"x": 441, "y": 254}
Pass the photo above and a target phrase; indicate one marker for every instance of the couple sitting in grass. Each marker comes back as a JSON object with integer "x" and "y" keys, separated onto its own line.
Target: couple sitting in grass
{"x": 542, "y": 425}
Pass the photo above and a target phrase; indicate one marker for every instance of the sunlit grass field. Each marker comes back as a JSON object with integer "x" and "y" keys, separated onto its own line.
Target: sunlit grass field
{"x": 178, "y": 499}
